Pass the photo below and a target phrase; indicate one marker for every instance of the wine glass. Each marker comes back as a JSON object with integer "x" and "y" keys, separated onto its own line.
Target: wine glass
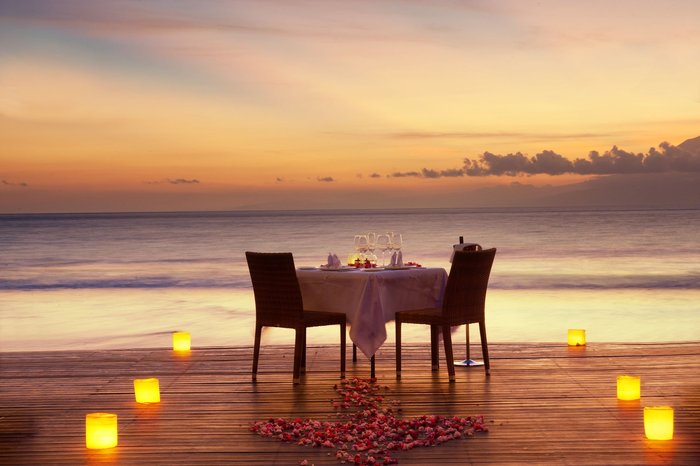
{"x": 383, "y": 244}
{"x": 361, "y": 245}
{"x": 371, "y": 245}
{"x": 396, "y": 241}
{"x": 371, "y": 241}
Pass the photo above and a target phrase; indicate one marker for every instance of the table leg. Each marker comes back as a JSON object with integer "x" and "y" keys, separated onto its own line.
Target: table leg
{"x": 371, "y": 371}
{"x": 469, "y": 362}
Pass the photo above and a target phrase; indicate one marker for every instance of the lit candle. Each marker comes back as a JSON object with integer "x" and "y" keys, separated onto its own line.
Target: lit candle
{"x": 658, "y": 422}
{"x": 100, "y": 430}
{"x": 147, "y": 390}
{"x": 628, "y": 387}
{"x": 577, "y": 337}
{"x": 181, "y": 341}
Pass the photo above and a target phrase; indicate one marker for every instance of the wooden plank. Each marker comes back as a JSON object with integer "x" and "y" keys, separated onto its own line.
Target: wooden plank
{"x": 544, "y": 403}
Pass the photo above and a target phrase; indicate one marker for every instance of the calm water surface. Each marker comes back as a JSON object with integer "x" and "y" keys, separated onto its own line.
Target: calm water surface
{"x": 78, "y": 281}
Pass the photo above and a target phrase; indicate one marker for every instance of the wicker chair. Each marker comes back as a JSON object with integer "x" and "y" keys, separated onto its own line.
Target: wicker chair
{"x": 278, "y": 303}
{"x": 463, "y": 303}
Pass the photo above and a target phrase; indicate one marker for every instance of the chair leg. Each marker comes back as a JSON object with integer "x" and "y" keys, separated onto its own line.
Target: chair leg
{"x": 302, "y": 367}
{"x": 256, "y": 350}
{"x": 447, "y": 339}
{"x": 298, "y": 348}
{"x": 484, "y": 347}
{"x": 354, "y": 352}
{"x": 342, "y": 350}
{"x": 398, "y": 349}
{"x": 435, "y": 347}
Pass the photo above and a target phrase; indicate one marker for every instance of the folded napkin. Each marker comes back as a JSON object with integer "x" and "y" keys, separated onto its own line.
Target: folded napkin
{"x": 399, "y": 259}
{"x": 333, "y": 261}
{"x": 392, "y": 261}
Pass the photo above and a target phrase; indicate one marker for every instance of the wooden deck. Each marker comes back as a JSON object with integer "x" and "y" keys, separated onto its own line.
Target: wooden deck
{"x": 544, "y": 404}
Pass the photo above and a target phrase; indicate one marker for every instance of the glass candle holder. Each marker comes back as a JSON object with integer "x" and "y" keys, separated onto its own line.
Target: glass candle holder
{"x": 101, "y": 431}
{"x": 628, "y": 387}
{"x": 577, "y": 337}
{"x": 658, "y": 422}
{"x": 147, "y": 390}
{"x": 181, "y": 341}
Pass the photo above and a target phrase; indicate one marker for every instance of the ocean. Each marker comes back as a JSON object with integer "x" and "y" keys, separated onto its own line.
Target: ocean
{"x": 127, "y": 280}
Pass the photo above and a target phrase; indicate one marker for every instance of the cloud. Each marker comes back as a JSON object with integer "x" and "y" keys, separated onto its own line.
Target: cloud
{"x": 667, "y": 158}
{"x": 375, "y": 175}
{"x": 105, "y": 18}
{"x": 427, "y": 173}
{"x": 279, "y": 180}
{"x": 182, "y": 181}
{"x": 514, "y": 164}
{"x": 21, "y": 184}
{"x": 450, "y": 172}
{"x": 175, "y": 181}
{"x": 325, "y": 179}
{"x": 490, "y": 135}
{"x": 405, "y": 174}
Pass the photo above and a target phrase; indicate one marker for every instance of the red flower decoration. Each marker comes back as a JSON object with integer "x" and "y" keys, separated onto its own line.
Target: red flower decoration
{"x": 367, "y": 432}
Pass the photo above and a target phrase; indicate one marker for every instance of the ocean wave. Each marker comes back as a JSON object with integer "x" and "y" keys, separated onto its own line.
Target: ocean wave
{"x": 515, "y": 282}
{"x": 123, "y": 283}
{"x": 597, "y": 282}
{"x": 44, "y": 262}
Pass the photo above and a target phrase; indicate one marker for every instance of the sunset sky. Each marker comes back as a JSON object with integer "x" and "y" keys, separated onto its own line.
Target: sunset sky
{"x": 218, "y": 105}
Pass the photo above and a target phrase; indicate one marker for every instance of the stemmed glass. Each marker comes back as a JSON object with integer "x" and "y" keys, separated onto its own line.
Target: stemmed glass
{"x": 396, "y": 241}
{"x": 361, "y": 245}
{"x": 371, "y": 241}
{"x": 371, "y": 245}
{"x": 383, "y": 244}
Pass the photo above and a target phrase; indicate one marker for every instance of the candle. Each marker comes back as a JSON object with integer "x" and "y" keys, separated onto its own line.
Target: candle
{"x": 658, "y": 422}
{"x": 100, "y": 430}
{"x": 352, "y": 258}
{"x": 181, "y": 341}
{"x": 628, "y": 387}
{"x": 577, "y": 337}
{"x": 147, "y": 390}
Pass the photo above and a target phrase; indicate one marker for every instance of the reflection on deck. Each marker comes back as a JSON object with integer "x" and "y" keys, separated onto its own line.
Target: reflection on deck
{"x": 544, "y": 403}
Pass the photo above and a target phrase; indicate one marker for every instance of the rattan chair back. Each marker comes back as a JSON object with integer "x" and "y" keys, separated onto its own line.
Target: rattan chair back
{"x": 465, "y": 294}
{"x": 278, "y": 299}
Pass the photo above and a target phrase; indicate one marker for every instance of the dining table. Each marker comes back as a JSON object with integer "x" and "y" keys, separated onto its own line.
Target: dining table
{"x": 370, "y": 297}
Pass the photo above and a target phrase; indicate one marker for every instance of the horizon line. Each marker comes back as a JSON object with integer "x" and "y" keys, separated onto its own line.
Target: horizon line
{"x": 587, "y": 208}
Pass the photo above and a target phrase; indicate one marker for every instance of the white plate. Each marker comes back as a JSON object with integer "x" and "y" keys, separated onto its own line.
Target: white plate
{"x": 341, "y": 269}
{"x": 307, "y": 268}
{"x": 374, "y": 269}
{"x": 403, "y": 267}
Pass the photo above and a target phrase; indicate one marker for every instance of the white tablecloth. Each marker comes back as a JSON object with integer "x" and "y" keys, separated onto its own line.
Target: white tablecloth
{"x": 370, "y": 299}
